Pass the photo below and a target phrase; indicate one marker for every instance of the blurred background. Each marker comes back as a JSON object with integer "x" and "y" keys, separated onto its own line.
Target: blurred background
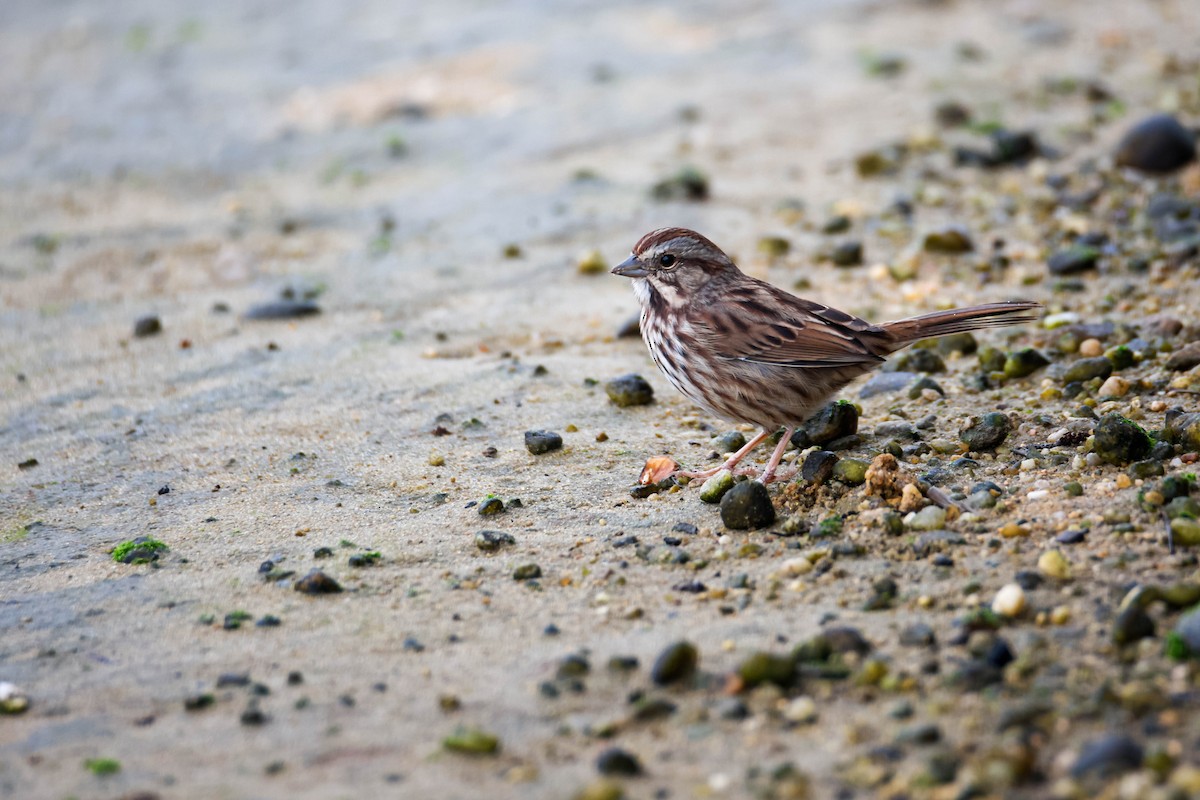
{"x": 313, "y": 268}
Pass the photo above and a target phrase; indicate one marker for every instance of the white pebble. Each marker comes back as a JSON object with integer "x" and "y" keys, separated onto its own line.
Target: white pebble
{"x": 803, "y": 710}
{"x": 1114, "y": 387}
{"x": 1010, "y": 601}
{"x": 1037, "y": 494}
{"x": 1053, "y": 321}
{"x": 796, "y": 566}
{"x": 719, "y": 782}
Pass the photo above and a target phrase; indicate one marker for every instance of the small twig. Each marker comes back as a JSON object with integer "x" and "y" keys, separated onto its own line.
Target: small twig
{"x": 1170, "y": 535}
{"x": 941, "y": 499}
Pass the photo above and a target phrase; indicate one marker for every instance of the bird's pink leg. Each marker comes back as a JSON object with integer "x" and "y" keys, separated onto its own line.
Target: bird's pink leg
{"x": 769, "y": 473}
{"x": 731, "y": 463}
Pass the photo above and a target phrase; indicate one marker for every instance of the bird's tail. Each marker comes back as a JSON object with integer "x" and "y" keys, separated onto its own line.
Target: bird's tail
{"x": 958, "y": 320}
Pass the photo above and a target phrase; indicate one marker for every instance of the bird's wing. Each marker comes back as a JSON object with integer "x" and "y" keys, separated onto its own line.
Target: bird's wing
{"x": 769, "y": 326}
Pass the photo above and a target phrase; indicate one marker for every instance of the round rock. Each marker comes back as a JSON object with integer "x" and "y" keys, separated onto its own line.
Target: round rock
{"x": 1158, "y": 144}
{"x": 147, "y": 326}
{"x": 1074, "y": 260}
{"x": 818, "y": 466}
{"x": 539, "y": 442}
{"x": 1188, "y": 630}
{"x": 676, "y": 663}
{"x": 630, "y": 390}
{"x": 832, "y": 422}
{"x": 1131, "y": 625}
{"x": 1023, "y": 363}
{"x": 747, "y": 506}
{"x": 1087, "y": 368}
{"x": 1110, "y": 755}
{"x": 986, "y": 433}
{"x": 491, "y": 541}
{"x": 317, "y": 582}
{"x": 615, "y": 761}
{"x": 1119, "y": 441}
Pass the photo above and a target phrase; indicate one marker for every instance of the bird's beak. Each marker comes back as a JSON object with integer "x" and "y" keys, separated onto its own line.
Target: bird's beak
{"x": 630, "y": 268}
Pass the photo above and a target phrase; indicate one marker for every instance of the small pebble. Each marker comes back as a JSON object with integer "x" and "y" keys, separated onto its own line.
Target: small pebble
{"x": 317, "y": 582}
{"x": 147, "y": 326}
{"x": 491, "y": 506}
{"x": 1053, "y": 564}
{"x": 1187, "y": 629}
{"x": 713, "y": 489}
{"x": 687, "y": 184}
{"x": 592, "y": 263}
{"x": 1157, "y": 144}
{"x": 1110, "y": 755}
{"x": 1023, "y": 363}
{"x": 603, "y": 789}
{"x": 747, "y": 506}
{"x": 541, "y": 442}
{"x": 987, "y": 432}
{"x": 818, "y": 467}
{"x": 729, "y": 442}
{"x": 629, "y": 390}
{"x": 850, "y": 471}
{"x": 491, "y": 541}
{"x": 1085, "y": 369}
{"x": 527, "y": 572}
{"x": 847, "y": 254}
{"x": 918, "y": 634}
{"x": 801, "y": 710}
{"x": 774, "y": 246}
{"x": 1186, "y": 531}
{"x": 282, "y": 309}
{"x": 254, "y": 716}
{"x": 677, "y": 662}
{"x": 1074, "y": 260}
{"x": 472, "y": 741}
{"x": 886, "y": 383}
{"x": 1071, "y": 537}
{"x": 12, "y": 699}
{"x": 1119, "y": 441}
{"x": 1132, "y": 624}
{"x": 615, "y": 761}
{"x": 930, "y": 518}
{"x": 951, "y": 239}
{"x": 1185, "y": 358}
{"x": 762, "y": 667}
{"x": 199, "y": 702}
{"x": 1009, "y": 601}
{"x": 834, "y": 421}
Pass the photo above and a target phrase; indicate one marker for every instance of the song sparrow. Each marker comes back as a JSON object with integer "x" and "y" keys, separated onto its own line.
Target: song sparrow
{"x": 746, "y": 351}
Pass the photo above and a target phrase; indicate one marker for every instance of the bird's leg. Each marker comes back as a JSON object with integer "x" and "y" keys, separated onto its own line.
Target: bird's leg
{"x": 769, "y": 473}
{"x": 730, "y": 463}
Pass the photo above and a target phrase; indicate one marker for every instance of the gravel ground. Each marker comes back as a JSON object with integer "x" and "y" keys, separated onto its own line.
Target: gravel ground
{"x": 285, "y": 287}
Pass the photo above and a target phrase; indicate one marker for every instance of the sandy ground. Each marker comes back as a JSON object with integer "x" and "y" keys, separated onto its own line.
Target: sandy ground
{"x": 179, "y": 160}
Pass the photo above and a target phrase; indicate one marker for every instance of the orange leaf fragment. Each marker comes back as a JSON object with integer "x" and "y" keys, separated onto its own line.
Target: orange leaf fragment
{"x": 657, "y": 468}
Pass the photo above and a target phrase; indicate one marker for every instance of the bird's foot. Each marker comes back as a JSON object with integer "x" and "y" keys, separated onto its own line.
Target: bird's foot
{"x": 772, "y": 475}
{"x": 696, "y": 476}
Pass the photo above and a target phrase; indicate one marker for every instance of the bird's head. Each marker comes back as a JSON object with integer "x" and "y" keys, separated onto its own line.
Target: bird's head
{"x": 675, "y": 262}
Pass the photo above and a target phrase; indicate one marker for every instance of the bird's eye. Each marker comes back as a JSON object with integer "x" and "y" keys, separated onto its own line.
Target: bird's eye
{"x": 666, "y": 260}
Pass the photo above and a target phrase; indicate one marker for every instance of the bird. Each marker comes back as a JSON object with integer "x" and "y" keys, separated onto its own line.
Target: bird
{"x": 749, "y": 352}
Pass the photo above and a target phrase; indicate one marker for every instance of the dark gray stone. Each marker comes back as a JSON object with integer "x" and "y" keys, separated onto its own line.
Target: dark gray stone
{"x": 1157, "y": 144}
{"x": 540, "y": 442}
{"x": 747, "y": 506}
